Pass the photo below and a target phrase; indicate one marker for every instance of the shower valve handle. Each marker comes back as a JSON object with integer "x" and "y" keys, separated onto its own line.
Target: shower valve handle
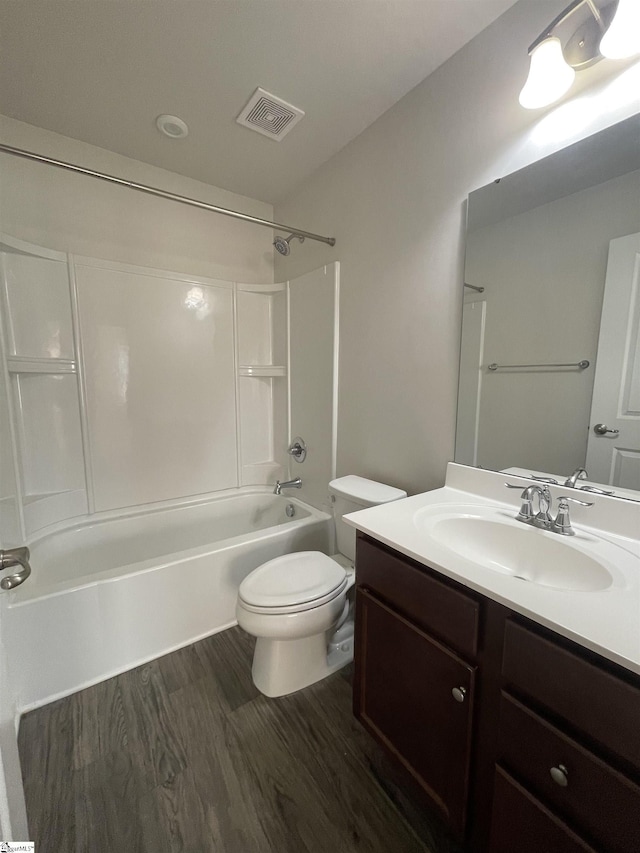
{"x": 298, "y": 449}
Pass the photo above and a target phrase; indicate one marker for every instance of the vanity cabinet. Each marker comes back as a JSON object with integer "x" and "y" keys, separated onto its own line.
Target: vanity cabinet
{"x": 542, "y": 755}
{"x": 414, "y": 693}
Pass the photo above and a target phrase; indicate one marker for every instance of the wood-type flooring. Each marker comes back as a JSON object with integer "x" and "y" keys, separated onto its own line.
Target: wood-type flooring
{"x": 183, "y": 754}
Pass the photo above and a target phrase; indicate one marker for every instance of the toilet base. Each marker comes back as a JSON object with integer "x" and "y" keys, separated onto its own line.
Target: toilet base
{"x": 342, "y": 640}
{"x": 281, "y": 667}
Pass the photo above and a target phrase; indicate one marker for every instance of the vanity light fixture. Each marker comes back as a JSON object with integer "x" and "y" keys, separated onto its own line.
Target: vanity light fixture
{"x": 610, "y": 29}
{"x": 622, "y": 39}
{"x": 549, "y": 75}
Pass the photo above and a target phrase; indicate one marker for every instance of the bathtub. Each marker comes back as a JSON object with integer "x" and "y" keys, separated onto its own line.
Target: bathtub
{"x": 106, "y": 595}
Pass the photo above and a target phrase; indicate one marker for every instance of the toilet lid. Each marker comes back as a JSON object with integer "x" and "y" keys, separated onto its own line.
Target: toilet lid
{"x": 294, "y": 579}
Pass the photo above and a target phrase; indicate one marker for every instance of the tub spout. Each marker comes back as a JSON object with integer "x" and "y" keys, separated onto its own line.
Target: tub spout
{"x": 288, "y": 484}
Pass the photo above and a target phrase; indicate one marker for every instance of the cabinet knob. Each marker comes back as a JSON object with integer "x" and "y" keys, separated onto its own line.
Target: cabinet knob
{"x": 560, "y": 775}
{"x": 459, "y": 693}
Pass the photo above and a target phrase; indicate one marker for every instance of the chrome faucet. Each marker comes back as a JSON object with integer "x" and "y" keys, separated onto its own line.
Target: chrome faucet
{"x": 526, "y": 513}
{"x": 9, "y": 560}
{"x": 288, "y": 484}
{"x": 560, "y": 524}
{"x": 571, "y": 482}
{"x": 578, "y": 474}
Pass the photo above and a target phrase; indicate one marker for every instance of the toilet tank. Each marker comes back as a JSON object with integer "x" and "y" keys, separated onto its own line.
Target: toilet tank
{"x": 351, "y": 493}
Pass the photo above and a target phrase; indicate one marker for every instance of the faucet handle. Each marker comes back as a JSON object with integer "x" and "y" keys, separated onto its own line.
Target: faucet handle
{"x": 541, "y": 479}
{"x": 526, "y": 512}
{"x": 562, "y": 523}
{"x": 298, "y": 449}
{"x": 544, "y": 489}
{"x": 574, "y": 500}
{"x": 596, "y": 491}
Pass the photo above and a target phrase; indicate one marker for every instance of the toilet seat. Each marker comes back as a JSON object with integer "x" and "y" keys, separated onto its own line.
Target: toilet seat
{"x": 293, "y": 583}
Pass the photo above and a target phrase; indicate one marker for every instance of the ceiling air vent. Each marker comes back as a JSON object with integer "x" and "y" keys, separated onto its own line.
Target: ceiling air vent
{"x": 269, "y": 115}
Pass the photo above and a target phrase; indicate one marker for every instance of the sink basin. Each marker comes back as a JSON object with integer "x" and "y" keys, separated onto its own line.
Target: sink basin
{"x": 494, "y": 540}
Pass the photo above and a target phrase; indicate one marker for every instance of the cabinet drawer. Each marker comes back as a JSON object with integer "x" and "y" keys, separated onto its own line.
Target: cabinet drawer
{"x": 598, "y": 799}
{"x": 521, "y": 823}
{"x": 594, "y": 701}
{"x": 445, "y": 612}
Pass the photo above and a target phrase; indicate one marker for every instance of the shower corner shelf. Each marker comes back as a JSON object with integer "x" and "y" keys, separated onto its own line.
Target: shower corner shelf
{"x": 262, "y": 370}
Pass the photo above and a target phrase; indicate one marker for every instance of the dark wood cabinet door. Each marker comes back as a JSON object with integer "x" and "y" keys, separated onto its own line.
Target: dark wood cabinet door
{"x": 446, "y": 612}
{"x": 404, "y": 697}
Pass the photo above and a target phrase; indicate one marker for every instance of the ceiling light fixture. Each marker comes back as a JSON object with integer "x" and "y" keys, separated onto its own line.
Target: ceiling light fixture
{"x": 583, "y": 34}
{"x": 172, "y": 126}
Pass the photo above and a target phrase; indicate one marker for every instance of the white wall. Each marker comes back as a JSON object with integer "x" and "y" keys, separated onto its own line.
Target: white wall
{"x": 544, "y": 274}
{"x": 75, "y": 213}
{"x": 395, "y": 200}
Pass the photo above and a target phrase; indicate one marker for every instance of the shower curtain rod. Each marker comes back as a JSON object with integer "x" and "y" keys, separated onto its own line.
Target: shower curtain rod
{"x": 144, "y": 188}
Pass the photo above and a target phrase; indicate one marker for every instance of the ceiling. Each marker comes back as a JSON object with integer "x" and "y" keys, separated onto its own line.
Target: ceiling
{"x": 102, "y": 70}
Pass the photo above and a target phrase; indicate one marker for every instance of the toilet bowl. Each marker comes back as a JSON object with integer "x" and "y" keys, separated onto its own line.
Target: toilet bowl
{"x": 297, "y": 606}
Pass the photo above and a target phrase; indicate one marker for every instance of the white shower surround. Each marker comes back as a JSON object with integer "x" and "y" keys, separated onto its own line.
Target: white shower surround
{"x": 128, "y": 385}
{"x": 145, "y": 517}
{"x": 59, "y": 375}
{"x": 160, "y": 579}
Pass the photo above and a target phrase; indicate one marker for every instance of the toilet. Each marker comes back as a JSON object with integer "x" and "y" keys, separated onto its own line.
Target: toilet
{"x": 297, "y": 605}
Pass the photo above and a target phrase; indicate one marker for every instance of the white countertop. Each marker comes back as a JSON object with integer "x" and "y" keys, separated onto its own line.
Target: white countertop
{"x": 606, "y": 621}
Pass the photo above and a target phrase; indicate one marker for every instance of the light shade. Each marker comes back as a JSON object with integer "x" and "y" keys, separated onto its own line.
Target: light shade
{"x": 622, "y": 39}
{"x": 549, "y": 75}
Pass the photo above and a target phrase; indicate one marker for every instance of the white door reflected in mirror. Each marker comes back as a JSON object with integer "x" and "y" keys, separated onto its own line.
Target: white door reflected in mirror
{"x": 613, "y": 447}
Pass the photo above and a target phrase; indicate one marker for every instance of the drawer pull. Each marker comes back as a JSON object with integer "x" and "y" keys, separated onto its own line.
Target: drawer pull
{"x": 560, "y": 775}
{"x": 459, "y": 693}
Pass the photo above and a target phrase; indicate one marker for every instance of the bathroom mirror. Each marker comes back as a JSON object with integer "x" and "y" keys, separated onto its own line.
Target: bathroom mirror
{"x": 550, "y": 354}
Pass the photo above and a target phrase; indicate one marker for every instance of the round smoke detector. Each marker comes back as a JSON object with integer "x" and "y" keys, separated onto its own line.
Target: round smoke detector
{"x": 172, "y": 126}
